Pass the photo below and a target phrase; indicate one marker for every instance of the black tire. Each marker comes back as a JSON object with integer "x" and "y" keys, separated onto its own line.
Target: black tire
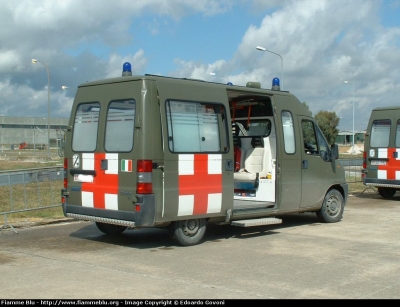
{"x": 188, "y": 232}
{"x": 386, "y": 192}
{"x": 332, "y": 207}
{"x": 110, "y": 229}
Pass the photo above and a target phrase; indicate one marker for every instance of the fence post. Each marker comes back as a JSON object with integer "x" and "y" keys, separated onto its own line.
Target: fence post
{"x": 7, "y": 224}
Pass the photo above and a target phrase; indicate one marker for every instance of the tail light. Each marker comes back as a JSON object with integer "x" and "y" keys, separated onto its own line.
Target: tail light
{"x": 144, "y": 177}
{"x": 65, "y": 183}
{"x": 364, "y": 165}
{"x": 65, "y": 172}
{"x": 364, "y": 160}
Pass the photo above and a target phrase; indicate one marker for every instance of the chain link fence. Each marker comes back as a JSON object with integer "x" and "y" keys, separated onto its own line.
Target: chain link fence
{"x": 29, "y": 189}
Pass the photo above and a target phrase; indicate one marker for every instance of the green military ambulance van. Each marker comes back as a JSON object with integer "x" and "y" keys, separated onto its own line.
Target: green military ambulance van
{"x": 154, "y": 151}
{"x": 381, "y": 163}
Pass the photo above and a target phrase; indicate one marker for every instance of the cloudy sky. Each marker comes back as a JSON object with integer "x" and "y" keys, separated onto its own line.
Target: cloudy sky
{"x": 322, "y": 44}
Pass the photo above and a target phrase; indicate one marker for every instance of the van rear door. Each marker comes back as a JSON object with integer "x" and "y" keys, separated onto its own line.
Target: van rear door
{"x": 103, "y": 157}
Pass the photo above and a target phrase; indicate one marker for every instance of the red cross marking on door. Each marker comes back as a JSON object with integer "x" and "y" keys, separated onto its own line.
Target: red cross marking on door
{"x": 391, "y": 166}
{"x": 200, "y": 184}
{"x": 102, "y": 183}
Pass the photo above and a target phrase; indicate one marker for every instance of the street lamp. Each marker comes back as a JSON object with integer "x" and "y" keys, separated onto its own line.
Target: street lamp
{"x": 263, "y": 49}
{"x": 214, "y": 74}
{"x": 348, "y": 82}
{"x": 65, "y": 87}
{"x": 34, "y": 61}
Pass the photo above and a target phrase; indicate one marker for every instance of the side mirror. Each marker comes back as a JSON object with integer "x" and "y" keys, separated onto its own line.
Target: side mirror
{"x": 335, "y": 151}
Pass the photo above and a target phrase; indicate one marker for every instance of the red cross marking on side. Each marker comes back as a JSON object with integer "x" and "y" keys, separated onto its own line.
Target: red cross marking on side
{"x": 200, "y": 184}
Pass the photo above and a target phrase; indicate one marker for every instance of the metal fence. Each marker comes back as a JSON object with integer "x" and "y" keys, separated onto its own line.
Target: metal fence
{"x": 353, "y": 169}
{"x": 29, "y": 189}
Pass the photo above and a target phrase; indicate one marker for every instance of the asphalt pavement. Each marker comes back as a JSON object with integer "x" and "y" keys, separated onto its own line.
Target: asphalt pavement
{"x": 357, "y": 258}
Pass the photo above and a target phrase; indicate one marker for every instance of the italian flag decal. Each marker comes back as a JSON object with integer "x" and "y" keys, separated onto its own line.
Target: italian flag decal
{"x": 126, "y": 165}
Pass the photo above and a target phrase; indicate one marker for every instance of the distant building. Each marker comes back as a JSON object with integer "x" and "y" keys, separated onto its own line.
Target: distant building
{"x": 31, "y": 130}
{"x": 345, "y": 137}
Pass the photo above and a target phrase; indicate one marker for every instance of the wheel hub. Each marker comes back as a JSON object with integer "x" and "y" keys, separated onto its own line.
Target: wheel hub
{"x": 190, "y": 228}
{"x": 333, "y": 207}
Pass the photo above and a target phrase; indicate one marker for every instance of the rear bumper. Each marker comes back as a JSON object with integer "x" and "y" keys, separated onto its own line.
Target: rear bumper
{"x": 144, "y": 216}
{"x": 395, "y": 184}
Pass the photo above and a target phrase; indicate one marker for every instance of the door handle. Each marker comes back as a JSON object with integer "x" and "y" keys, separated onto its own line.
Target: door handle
{"x": 104, "y": 164}
{"x": 229, "y": 165}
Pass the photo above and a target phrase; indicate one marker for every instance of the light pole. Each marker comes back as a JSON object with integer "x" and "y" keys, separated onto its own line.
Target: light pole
{"x": 263, "y": 49}
{"x": 34, "y": 61}
{"x": 348, "y": 82}
{"x": 64, "y": 87}
{"x": 214, "y": 74}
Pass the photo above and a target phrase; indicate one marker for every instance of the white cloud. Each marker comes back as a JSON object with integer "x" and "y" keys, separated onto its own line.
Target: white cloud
{"x": 322, "y": 43}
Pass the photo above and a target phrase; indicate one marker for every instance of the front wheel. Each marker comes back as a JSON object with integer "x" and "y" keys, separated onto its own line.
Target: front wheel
{"x": 386, "y": 192}
{"x": 188, "y": 232}
{"x": 332, "y": 207}
{"x": 110, "y": 229}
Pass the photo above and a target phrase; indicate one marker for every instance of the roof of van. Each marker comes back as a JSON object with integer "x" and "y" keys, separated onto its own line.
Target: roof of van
{"x": 386, "y": 108}
{"x": 250, "y": 85}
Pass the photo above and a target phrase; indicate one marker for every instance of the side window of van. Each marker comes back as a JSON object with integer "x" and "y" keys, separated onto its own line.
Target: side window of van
{"x": 86, "y": 124}
{"x": 196, "y": 127}
{"x": 398, "y": 134}
{"x": 288, "y": 132}
{"x": 120, "y": 126}
{"x": 322, "y": 143}
{"x": 380, "y": 132}
{"x": 309, "y": 138}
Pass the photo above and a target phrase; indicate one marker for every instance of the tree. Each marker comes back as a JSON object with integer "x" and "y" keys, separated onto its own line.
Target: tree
{"x": 328, "y": 122}
{"x": 307, "y": 106}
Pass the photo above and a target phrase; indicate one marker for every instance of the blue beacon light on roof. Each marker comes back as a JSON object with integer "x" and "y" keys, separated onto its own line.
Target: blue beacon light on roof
{"x": 276, "y": 86}
{"x": 127, "y": 69}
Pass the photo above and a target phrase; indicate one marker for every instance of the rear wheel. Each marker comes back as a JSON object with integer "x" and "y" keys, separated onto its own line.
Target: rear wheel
{"x": 188, "y": 232}
{"x": 386, "y": 192}
{"x": 110, "y": 229}
{"x": 332, "y": 207}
